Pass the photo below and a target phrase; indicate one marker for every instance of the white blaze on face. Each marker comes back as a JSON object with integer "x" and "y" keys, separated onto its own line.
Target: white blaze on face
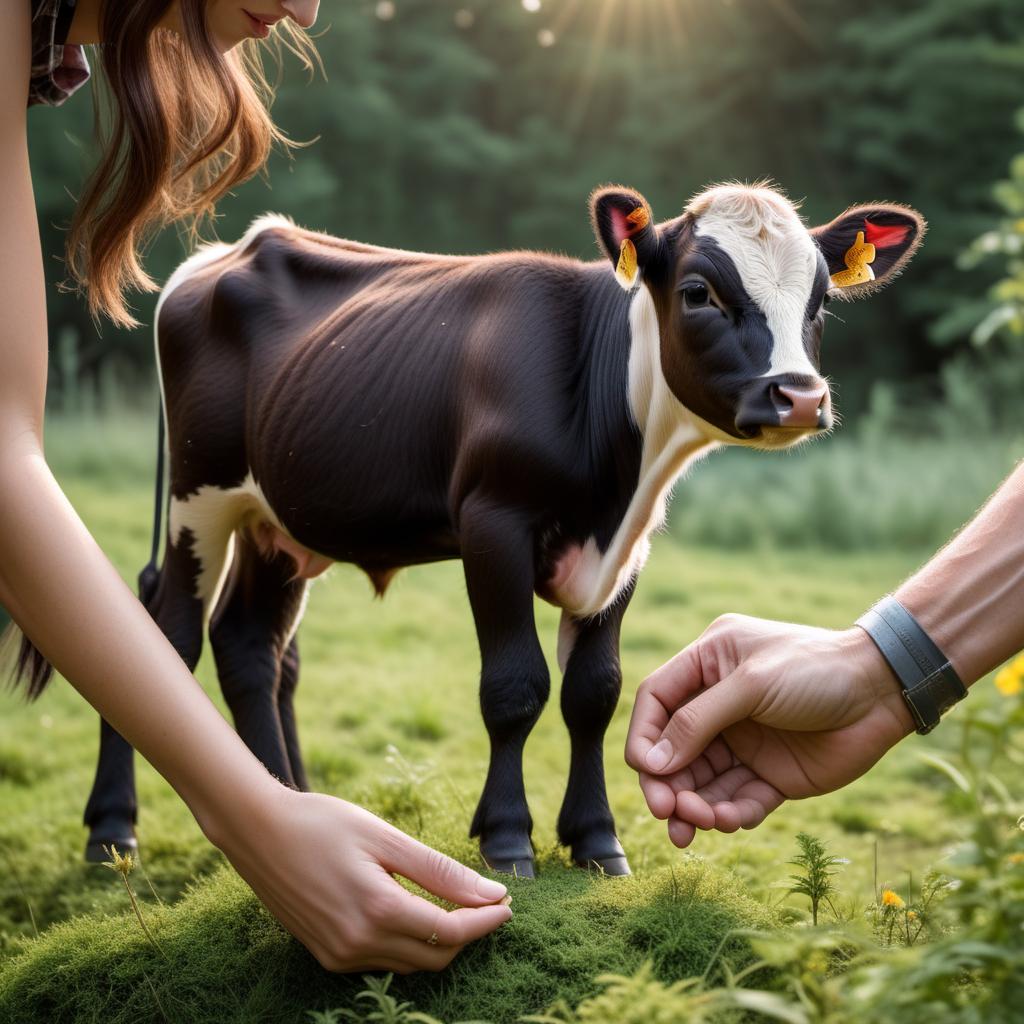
{"x": 761, "y": 232}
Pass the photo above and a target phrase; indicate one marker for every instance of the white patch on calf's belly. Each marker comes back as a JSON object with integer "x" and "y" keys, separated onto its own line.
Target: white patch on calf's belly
{"x": 212, "y": 515}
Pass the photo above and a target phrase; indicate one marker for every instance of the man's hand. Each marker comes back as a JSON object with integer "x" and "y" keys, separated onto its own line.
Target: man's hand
{"x": 756, "y": 712}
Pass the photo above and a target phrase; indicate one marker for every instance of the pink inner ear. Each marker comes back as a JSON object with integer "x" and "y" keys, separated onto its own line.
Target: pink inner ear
{"x": 885, "y": 236}
{"x": 620, "y": 226}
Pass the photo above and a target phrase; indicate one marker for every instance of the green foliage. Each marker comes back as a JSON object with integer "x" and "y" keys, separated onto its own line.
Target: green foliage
{"x": 636, "y": 999}
{"x": 983, "y": 386}
{"x": 381, "y": 1008}
{"x": 1005, "y": 240}
{"x": 814, "y": 879}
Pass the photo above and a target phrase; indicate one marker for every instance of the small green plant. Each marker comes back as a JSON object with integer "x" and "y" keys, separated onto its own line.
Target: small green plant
{"x": 381, "y": 1008}
{"x": 639, "y": 998}
{"x": 815, "y": 878}
{"x": 911, "y": 920}
{"x": 124, "y": 864}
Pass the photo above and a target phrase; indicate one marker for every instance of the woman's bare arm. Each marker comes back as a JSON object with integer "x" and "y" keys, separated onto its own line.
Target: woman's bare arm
{"x": 333, "y": 890}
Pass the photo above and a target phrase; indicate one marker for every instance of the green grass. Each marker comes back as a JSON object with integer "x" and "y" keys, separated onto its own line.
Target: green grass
{"x": 223, "y": 959}
{"x": 402, "y": 674}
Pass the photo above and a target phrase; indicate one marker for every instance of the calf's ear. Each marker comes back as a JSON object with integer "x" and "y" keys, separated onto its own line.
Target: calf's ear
{"x": 867, "y": 246}
{"x": 625, "y": 230}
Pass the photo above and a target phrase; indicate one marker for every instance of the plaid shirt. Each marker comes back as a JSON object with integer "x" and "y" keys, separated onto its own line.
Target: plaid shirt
{"x": 57, "y": 69}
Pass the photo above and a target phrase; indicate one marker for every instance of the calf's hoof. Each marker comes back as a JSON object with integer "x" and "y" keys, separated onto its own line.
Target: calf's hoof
{"x": 509, "y": 857}
{"x": 617, "y": 866}
{"x": 604, "y": 854}
{"x": 522, "y": 867}
{"x": 98, "y": 850}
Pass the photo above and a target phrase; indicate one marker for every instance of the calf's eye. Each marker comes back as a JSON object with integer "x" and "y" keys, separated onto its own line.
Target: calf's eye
{"x": 696, "y": 295}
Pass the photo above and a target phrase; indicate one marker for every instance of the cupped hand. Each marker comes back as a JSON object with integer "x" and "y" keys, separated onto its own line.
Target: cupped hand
{"x": 755, "y": 712}
{"x": 324, "y": 867}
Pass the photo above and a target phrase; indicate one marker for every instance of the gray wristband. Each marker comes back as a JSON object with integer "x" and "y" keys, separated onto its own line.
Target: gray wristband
{"x": 930, "y": 684}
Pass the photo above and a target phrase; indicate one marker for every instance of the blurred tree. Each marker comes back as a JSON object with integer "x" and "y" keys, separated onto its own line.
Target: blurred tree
{"x": 473, "y": 125}
{"x": 984, "y": 385}
{"x": 1006, "y": 239}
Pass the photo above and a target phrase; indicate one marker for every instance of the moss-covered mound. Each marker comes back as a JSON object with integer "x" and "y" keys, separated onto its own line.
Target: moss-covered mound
{"x": 225, "y": 960}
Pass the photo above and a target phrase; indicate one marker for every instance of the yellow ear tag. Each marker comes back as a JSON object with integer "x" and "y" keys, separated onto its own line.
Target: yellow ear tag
{"x": 639, "y": 218}
{"x": 857, "y": 258}
{"x": 626, "y": 268}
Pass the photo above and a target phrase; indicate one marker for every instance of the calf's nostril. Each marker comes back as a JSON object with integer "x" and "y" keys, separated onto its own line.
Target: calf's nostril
{"x": 782, "y": 404}
{"x": 799, "y": 407}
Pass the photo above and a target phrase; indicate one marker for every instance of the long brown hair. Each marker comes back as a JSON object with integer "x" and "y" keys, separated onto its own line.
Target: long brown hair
{"x": 180, "y": 125}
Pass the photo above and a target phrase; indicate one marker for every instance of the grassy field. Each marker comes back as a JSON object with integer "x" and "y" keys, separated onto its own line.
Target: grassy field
{"x": 388, "y": 716}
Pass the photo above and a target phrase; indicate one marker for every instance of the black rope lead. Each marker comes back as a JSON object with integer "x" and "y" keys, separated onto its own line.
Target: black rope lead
{"x": 149, "y": 575}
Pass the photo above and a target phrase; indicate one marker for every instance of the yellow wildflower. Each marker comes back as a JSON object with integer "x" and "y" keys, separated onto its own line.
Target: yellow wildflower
{"x": 122, "y": 862}
{"x": 891, "y": 899}
{"x": 1010, "y": 678}
{"x": 1016, "y": 858}
{"x": 911, "y": 915}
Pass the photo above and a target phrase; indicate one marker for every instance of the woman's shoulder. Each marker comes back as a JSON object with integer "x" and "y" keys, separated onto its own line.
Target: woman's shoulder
{"x": 58, "y": 69}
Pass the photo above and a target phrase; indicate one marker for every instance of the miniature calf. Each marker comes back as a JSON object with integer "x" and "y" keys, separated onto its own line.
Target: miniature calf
{"x": 330, "y": 401}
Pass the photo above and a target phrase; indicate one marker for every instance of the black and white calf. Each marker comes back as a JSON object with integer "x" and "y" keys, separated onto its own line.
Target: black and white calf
{"x": 330, "y": 401}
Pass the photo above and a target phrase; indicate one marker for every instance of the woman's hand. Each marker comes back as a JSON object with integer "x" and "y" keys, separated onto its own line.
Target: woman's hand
{"x": 323, "y": 867}
{"x": 756, "y": 712}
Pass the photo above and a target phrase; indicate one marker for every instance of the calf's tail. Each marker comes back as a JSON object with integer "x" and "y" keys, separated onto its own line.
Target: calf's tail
{"x": 28, "y": 666}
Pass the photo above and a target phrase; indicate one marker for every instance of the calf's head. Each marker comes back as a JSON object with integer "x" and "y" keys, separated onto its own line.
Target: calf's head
{"x": 739, "y": 284}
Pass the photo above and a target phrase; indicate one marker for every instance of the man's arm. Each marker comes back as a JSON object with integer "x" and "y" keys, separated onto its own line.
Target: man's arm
{"x": 756, "y": 712}
{"x": 970, "y": 597}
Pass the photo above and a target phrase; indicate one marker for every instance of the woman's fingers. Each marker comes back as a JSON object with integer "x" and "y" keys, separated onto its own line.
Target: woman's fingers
{"x": 417, "y": 918}
{"x": 438, "y": 873}
{"x": 417, "y": 955}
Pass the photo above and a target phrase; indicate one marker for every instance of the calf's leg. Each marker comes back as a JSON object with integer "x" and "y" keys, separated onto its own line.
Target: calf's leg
{"x": 250, "y": 633}
{"x": 112, "y": 808}
{"x": 497, "y": 554}
{"x": 590, "y": 692}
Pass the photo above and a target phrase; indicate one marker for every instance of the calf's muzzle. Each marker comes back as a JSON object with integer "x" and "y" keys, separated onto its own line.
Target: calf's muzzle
{"x": 789, "y": 401}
